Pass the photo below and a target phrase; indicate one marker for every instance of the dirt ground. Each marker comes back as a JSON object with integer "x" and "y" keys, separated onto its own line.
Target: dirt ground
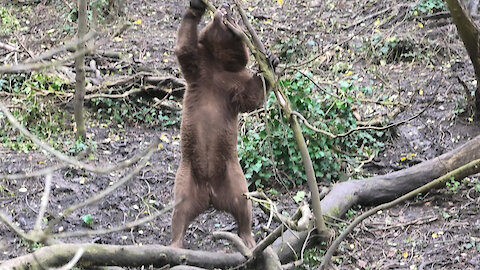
{"x": 438, "y": 230}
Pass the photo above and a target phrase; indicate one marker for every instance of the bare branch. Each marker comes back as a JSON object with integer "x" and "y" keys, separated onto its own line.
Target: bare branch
{"x": 64, "y": 157}
{"x": 8, "y": 47}
{"x": 28, "y": 67}
{"x": 73, "y": 262}
{"x": 41, "y": 172}
{"x": 5, "y": 220}
{"x": 236, "y": 240}
{"x": 70, "y": 45}
{"x": 43, "y": 202}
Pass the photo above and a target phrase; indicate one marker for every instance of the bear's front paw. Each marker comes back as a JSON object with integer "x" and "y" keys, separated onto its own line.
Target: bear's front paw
{"x": 197, "y": 4}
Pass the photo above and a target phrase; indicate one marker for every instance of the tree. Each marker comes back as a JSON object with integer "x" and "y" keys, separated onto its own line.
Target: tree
{"x": 80, "y": 71}
{"x": 470, "y": 35}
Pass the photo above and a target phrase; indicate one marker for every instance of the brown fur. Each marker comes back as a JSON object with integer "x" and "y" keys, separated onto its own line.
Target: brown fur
{"x": 218, "y": 88}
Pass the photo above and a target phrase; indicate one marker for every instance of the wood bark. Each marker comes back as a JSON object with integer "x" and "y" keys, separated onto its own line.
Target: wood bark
{"x": 380, "y": 189}
{"x": 470, "y": 35}
{"x": 114, "y": 255}
{"x": 80, "y": 71}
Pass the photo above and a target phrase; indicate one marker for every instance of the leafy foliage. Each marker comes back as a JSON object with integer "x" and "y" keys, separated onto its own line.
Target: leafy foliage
{"x": 32, "y": 109}
{"x": 429, "y": 6}
{"x": 268, "y": 146}
{"x": 135, "y": 110}
{"x": 391, "y": 49}
{"x": 8, "y": 22}
{"x": 35, "y": 106}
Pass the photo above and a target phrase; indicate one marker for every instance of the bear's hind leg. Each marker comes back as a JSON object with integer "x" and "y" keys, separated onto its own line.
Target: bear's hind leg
{"x": 229, "y": 198}
{"x": 193, "y": 201}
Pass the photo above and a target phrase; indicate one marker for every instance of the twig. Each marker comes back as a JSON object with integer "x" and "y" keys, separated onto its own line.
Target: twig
{"x": 33, "y": 174}
{"x": 370, "y": 16}
{"x": 27, "y": 67}
{"x": 8, "y": 47}
{"x": 23, "y": 46}
{"x": 72, "y": 262}
{"x": 43, "y": 202}
{"x": 119, "y": 228}
{"x": 472, "y": 167}
{"x": 236, "y": 240}
{"x": 70, "y": 45}
{"x": 123, "y": 95}
{"x": 318, "y": 86}
{"x": 41, "y": 172}
{"x": 5, "y": 220}
{"x": 269, "y": 207}
{"x": 267, "y": 241}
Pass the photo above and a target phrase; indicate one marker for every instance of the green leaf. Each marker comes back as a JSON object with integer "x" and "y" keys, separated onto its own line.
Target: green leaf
{"x": 87, "y": 219}
{"x": 299, "y": 197}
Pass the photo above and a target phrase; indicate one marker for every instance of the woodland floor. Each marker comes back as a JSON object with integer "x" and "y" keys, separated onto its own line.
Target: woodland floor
{"x": 438, "y": 230}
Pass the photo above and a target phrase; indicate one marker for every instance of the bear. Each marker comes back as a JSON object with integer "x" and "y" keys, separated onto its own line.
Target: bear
{"x": 219, "y": 87}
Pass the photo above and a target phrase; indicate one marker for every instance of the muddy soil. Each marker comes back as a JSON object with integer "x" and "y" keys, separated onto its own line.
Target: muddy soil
{"x": 438, "y": 230}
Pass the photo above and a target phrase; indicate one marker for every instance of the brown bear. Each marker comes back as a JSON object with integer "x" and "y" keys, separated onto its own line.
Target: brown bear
{"x": 219, "y": 87}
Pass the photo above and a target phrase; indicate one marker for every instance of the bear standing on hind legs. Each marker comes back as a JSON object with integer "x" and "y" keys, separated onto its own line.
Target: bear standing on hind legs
{"x": 219, "y": 87}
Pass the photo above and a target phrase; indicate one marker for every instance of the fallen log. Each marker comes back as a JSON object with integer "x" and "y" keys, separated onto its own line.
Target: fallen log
{"x": 379, "y": 189}
{"x": 115, "y": 255}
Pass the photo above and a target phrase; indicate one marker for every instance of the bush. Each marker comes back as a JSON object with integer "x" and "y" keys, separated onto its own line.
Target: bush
{"x": 267, "y": 148}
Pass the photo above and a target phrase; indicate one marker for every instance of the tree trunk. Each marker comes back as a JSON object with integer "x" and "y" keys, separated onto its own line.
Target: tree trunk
{"x": 380, "y": 189}
{"x": 113, "y": 255}
{"x": 80, "y": 72}
{"x": 470, "y": 35}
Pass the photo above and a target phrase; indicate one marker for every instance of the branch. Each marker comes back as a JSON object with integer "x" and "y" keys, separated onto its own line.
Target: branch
{"x": 236, "y": 240}
{"x": 267, "y": 241}
{"x": 8, "y": 47}
{"x": 73, "y": 262}
{"x": 41, "y": 172}
{"x": 66, "y": 158}
{"x": 269, "y": 75}
{"x": 43, "y": 202}
{"x": 27, "y": 67}
{"x": 123, "y": 95}
{"x": 334, "y": 136}
{"x": 70, "y": 45}
{"x": 5, "y": 220}
{"x": 471, "y": 168}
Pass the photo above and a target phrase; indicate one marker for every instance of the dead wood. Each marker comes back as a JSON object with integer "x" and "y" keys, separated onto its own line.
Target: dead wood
{"x": 133, "y": 256}
{"x": 380, "y": 189}
{"x": 458, "y": 174}
{"x": 8, "y": 47}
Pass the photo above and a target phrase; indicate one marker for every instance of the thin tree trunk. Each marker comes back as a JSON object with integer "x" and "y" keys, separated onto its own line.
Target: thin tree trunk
{"x": 80, "y": 71}
{"x": 470, "y": 35}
